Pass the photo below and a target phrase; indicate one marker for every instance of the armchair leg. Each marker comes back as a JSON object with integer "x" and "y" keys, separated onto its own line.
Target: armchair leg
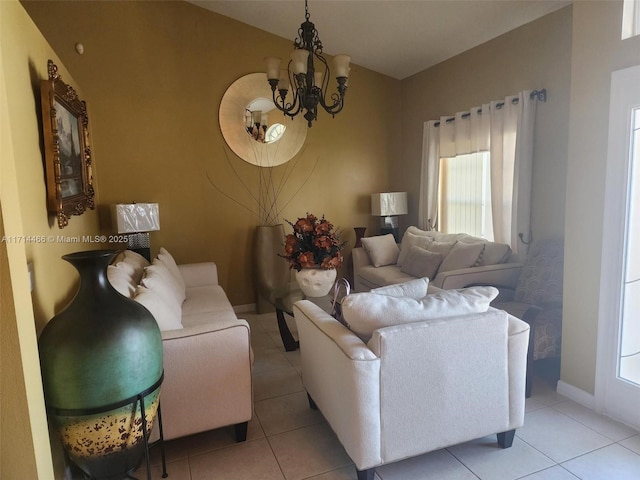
{"x": 365, "y": 474}
{"x": 505, "y": 439}
{"x": 241, "y": 431}
{"x": 312, "y": 404}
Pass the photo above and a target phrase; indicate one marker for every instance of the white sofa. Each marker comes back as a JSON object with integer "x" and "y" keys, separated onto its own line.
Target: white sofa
{"x": 207, "y": 353}
{"x": 414, "y": 387}
{"x": 469, "y": 261}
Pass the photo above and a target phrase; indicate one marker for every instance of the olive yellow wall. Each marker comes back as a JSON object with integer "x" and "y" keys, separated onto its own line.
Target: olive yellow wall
{"x": 597, "y": 51}
{"x": 534, "y": 56}
{"x": 24, "y": 53}
{"x": 155, "y": 73}
{"x": 17, "y": 454}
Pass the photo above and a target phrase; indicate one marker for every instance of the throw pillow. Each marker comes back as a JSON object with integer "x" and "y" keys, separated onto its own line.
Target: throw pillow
{"x": 413, "y": 289}
{"x": 382, "y": 250}
{"x": 367, "y": 312}
{"x": 167, "y": 260}
{"x": 422, "y": 263}
{"x": 158, "y": 278}
{"x": 462, "y": 255}
{"x": 120, "y": 279}
{"x": 409, "y": 240}
{"x": 137, "y": 261}
{"x": 493, "y": 253}
{"x": 167, "y": 314}
{"x": 441, "y": 247}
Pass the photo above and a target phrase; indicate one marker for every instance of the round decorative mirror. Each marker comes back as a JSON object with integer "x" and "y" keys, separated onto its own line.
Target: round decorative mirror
{"x": 252, "y": 126}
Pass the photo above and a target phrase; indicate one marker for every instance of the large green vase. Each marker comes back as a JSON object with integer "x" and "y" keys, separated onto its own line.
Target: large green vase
{"x": 101, "y": 357}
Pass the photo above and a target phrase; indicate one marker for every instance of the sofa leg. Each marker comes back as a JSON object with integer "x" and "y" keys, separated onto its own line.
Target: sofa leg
{"x": 505, "y": 439}
{"x": 241, "y": 431}
{"x": 365, "y": 474}
{"x": 312, "y": 404}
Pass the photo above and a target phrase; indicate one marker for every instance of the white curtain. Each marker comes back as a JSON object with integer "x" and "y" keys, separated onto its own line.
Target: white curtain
{"x": 505, "y": 129}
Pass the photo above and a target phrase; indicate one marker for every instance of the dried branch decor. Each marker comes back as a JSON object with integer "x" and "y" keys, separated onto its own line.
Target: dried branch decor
{"x": 266, "y": 203}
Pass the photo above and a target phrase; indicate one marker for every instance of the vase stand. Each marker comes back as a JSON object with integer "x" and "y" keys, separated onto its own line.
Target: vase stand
{"x": 147, "y": 445}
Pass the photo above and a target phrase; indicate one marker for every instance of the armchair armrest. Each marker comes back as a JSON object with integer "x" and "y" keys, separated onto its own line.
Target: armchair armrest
{"x": 505, "y": 274}
{"x": 341, "y": 375}
{"x": 207, "y": 377}
{"x": 199, "y": 274}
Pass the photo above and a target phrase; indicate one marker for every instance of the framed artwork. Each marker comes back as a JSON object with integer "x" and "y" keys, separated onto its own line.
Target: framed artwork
{"x": 66, "y": 149}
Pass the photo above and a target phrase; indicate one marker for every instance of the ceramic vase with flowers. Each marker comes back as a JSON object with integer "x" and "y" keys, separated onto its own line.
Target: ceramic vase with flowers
{"x": 314, "y": 251}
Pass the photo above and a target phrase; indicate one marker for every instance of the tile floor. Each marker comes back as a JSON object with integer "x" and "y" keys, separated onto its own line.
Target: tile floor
{"x": 561, "y": 440}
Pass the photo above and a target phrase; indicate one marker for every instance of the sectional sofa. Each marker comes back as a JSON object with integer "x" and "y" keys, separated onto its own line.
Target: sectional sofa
{"x": 450, "y": 261}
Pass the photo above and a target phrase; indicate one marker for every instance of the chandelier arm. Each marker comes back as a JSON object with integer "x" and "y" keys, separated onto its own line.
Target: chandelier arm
{"x": 337, "y": 101}
{"x": 325, "y": 77}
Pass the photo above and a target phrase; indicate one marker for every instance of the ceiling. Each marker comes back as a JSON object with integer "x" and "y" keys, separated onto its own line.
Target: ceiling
{"x": 395, "y": 37}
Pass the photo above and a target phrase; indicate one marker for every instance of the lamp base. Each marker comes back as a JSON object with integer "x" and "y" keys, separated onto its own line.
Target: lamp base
{"x": 388, "y": 225}
{"x": 140, "y": 243}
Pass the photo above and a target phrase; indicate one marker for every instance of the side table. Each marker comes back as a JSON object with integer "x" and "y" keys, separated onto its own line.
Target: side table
{"x": 283, "y": 299}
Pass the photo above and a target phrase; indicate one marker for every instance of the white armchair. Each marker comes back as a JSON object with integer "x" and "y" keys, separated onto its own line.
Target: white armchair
{"x": 416, "y": 387}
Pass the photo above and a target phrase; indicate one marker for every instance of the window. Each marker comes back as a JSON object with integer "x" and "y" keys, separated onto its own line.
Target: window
{"x": 465, "y": 195}
{"x": 631, "y": 18}
{"x": 630, "y": 334}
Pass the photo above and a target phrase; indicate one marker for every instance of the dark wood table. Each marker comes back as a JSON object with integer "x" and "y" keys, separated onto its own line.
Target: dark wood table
{"x": 283, "y": 299}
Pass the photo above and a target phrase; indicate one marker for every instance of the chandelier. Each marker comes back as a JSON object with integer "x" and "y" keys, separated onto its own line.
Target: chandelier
{"x": 309, "y": 85}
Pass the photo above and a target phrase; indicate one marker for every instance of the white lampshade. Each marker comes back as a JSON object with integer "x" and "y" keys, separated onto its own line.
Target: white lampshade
{"x": 299, "y": 59}
{"x": 272, "y": 65}
{"x": 388, "y": 204}
{"x": 136, "y": 217}
{"x": 341, "y": 65}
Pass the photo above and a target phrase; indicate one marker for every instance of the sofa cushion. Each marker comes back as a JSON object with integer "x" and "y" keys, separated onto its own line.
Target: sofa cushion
{"x": 167, "y": 260}
{"x": 367, "y": 312}
{"x": 381, "y": 276}
{"x": 158, "y": 278}
{"x": 462, "y": 255}
{"x": 408, "y": 240}
{"x": 422, "y": 263}
{"x": 164, "y": 310}
{"x": 382, "y": 249}
{"x": 413, "y": 289}
{"x": 205, "y": 299}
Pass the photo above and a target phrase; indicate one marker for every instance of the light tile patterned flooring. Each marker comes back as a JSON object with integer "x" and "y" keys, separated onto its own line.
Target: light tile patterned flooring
{"x": 561, "y": 440}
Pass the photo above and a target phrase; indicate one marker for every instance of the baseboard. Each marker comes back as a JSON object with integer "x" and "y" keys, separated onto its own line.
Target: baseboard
{"x": 577, "y": 395}
{"x": 247, "y": 308}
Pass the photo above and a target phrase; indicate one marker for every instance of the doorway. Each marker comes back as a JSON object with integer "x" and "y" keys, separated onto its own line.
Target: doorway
{"x": 618, "y": 375}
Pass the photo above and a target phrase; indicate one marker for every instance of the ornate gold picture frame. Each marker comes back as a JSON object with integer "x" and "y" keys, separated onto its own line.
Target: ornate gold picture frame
{"x": 66, "y": 149}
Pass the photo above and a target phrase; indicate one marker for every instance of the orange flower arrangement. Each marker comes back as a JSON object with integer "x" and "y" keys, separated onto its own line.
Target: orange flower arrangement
{"x": 313, "y": 243}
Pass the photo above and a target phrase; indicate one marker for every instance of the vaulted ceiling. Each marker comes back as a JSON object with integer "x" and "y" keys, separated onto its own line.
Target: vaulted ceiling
{"x": 395, "y": 37}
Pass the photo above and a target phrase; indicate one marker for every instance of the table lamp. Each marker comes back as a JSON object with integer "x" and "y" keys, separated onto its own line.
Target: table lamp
{"x": 388, "y": 206}
{"x": 136, "y": 220}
